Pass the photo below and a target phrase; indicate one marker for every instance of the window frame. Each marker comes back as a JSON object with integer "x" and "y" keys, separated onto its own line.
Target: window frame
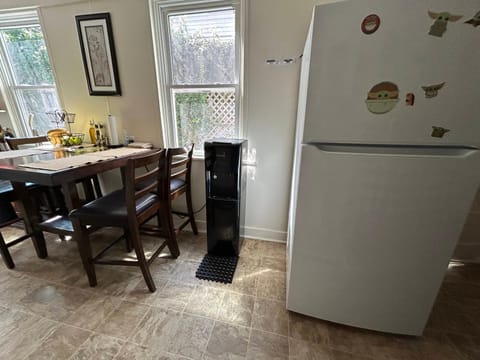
{"x": 159, "y": 11}
{"x": 11, "y": 91}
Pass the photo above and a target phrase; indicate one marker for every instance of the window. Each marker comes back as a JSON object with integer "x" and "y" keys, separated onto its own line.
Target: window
{"x": 199, "y": 56}
{"x": 26, "y": 75}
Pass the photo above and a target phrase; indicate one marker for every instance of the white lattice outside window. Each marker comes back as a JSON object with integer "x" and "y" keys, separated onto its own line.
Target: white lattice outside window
{"x": 198, "y": 52}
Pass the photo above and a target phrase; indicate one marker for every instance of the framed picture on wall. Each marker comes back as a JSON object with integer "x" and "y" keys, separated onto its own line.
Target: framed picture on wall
{"x": 98, "y": 53}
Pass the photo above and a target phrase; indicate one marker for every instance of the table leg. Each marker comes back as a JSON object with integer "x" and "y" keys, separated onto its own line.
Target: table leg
{"x": 31, "y": 217}
{"x": 72, "y": 200}
{"x": 88, "y": 190}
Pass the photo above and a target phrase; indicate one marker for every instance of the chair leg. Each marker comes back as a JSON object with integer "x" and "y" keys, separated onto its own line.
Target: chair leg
{"x": 96, "y": 185}
{"x": 47, "y": 200}
{"x": 7, "y": 259}
{"x": 29, "y": 209}
{"x": 191, "y": 215}
{"x": 88, "y": 190}
{"x": 166, "y": 222}
{"x": 142, "y": 261}
{"x": 128, "y": 240}
{"x": 83, "y": 243}
{"x": 58, "y": 200}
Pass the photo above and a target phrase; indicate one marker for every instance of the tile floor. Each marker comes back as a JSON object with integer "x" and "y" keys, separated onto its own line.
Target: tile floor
{"x": 48, "y": 311}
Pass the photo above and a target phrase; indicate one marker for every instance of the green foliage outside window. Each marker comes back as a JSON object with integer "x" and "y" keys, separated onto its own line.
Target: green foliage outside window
{"x": 29, "y": 57}
{"x": 33, "y": 87}
{"x": 201, "y": 59}
{"x": 191, "y": 112}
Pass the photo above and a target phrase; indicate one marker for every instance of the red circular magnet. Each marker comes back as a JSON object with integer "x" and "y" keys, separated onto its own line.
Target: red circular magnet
{"x": 370, "y": 24}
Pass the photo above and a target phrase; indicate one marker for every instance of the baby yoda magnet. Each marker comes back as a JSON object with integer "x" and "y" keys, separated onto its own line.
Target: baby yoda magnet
{"x": 475, "y": 21}
{"x": 382, "y": 98}
{"x": 439, "y": 131}
{"x": 432, "y": 90}
{"x": 439, "y": 27}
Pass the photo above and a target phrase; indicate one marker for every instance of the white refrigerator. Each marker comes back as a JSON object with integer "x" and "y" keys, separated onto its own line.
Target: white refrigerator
{"x": 386, "y": 160}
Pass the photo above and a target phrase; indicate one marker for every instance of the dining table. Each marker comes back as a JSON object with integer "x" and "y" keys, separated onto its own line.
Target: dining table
{"x": 62, "y": 167}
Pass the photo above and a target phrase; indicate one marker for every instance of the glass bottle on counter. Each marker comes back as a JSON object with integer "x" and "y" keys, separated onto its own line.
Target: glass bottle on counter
{"x": 91, "y": 131}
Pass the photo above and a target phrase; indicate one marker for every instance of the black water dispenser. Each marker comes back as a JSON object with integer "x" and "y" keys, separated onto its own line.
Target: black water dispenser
{"x": 225, "y": 179}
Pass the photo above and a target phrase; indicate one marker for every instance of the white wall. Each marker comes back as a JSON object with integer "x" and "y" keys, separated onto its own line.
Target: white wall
{"x": 5, "y": 120}
{"x": 468, "y": 247}
{"x": 276, "y": 28}
{"x": 137, "y": 108}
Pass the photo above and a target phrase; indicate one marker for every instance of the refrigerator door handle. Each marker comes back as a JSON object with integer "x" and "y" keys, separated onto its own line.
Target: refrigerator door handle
{"x": 391, "y": 149}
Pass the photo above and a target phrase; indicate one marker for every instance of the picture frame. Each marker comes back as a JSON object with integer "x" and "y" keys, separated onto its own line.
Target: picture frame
{"x": 98, "y": 53}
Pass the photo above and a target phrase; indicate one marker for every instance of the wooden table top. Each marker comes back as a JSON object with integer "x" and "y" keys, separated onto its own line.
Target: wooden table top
{"x": 10, "y": 169}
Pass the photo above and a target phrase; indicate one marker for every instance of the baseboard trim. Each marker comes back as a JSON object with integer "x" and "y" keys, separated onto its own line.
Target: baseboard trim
{"x": 253, "y": 232}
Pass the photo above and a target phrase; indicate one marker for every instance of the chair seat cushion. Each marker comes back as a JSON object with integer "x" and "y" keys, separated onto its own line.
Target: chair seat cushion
{"x": 111, "y": 209}
{"x": 6, "y": 190}
{"x": 176, "y": 184}
{"x": 7, "y": 213}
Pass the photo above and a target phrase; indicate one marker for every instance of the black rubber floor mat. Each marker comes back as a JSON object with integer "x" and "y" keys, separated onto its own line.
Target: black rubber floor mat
{"x": 217, "y": 268}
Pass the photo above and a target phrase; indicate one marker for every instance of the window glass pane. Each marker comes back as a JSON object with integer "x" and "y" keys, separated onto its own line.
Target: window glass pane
{"x": 28, "y": 56}
{"x": 202, "y": 47}
{"x": 204, "y": 114}
{"x": 38, "y": 102}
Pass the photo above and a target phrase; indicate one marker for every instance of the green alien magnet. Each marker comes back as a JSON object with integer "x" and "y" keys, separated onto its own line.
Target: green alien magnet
{"x": 382, "y": 97}
{"x": 432, "y": 90}
{"x": 438, "y": 131}
{"x": 474, "y": 21}
{"x": 439, "y": 27}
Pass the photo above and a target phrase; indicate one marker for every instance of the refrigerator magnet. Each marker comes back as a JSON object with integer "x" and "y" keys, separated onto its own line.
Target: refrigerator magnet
{"x": 439, "y": 131}
{"x": 432, "y": 90}
{"x": 382, "y": 97}
{"x": 474, "y": 21}
{"x": 410, "y": 99}
{"x": 439, "y": 27}
{"x": 370, "y": 24}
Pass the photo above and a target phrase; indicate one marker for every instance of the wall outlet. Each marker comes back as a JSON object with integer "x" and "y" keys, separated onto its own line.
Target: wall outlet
{"x": 128, "y": 139}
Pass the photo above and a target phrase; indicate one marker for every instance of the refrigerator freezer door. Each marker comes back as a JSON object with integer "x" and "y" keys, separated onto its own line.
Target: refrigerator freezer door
{"x": 374, "y": 231}
{"x": 345, "y": 64}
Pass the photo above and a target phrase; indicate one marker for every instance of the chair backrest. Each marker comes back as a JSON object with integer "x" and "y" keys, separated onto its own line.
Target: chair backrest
{"x": 14, "y": 143}
{"x": 7, "y": 212}
{"x": 178, "y": 167}
{"x": 142, "y": 178}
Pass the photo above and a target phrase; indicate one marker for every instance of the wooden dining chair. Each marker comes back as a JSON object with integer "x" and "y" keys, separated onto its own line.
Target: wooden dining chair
{"x": 54, "y": 196}
{"x": 53, "y": 199}
{"x": 177, "y": 175}
{"x": 127, "y": 208}
{"x": 15, "y": 143}
{"x": 8, "y": 216}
